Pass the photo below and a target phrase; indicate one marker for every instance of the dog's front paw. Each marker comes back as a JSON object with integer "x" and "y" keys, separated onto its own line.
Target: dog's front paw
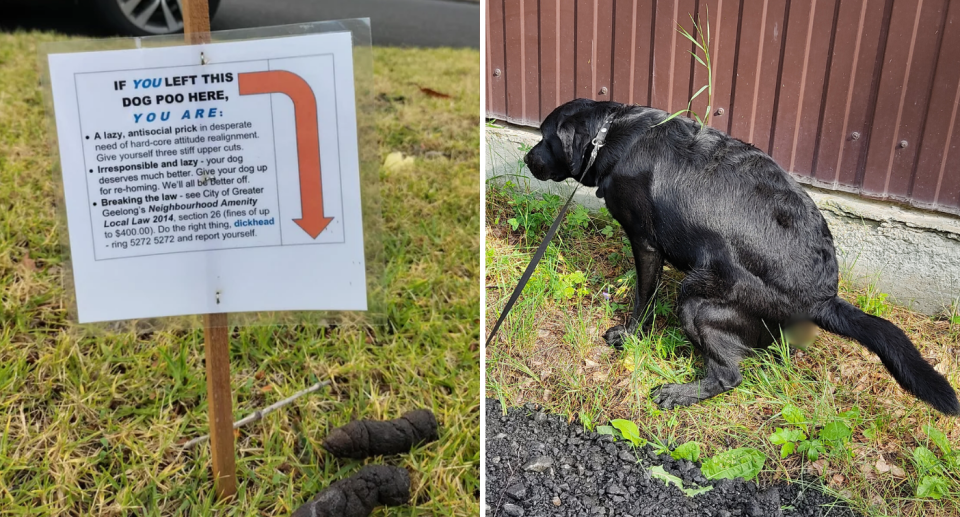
{"x": 670, "y": 396}
{"x": 615, "y": 336}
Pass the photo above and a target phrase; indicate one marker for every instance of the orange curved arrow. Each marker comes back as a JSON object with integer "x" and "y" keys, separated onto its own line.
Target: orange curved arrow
{"x": 308, "y": 139}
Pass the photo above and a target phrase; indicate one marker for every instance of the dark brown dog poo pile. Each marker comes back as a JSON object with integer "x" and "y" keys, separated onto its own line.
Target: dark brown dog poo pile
{"x": 364, "y": 438}
{"x": 373, "y": 485}
{"x": 358, "y": 495}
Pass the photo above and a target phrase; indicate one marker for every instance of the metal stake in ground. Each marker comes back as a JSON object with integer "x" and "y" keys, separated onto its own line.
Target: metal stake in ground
{"x": 216, "y": 340}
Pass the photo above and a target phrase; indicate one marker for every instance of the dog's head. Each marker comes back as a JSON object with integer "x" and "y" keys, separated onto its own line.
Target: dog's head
{"x": 567, "y": 133}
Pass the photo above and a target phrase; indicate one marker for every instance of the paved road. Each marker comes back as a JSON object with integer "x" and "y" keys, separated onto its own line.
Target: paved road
{"x": 421, "y": 23}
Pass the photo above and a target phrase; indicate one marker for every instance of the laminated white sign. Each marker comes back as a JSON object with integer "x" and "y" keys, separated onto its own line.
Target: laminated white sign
{"x": 212, "y": 178}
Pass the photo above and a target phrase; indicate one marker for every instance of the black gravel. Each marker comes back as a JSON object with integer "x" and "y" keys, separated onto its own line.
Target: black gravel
{"x": 538, "y": 465}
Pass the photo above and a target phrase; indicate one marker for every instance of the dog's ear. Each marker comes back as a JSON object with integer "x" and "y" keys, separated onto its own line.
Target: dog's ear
{"x": 574, "y": 141}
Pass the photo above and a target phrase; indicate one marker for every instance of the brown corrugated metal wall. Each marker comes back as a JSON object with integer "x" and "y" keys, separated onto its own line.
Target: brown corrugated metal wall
{"x": 853, "y": 95}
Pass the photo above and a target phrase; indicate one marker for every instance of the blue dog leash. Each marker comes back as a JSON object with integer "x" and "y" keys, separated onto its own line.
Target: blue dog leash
{"x": 598, "y": 142}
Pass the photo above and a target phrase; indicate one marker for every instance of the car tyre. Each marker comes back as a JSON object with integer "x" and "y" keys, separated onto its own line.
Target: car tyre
{"x": 144, "y": 17}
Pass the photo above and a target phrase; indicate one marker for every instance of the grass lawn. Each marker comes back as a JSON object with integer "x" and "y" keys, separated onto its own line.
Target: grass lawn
{"x": 865, "y": 439}
{"x": 92, "y": 426}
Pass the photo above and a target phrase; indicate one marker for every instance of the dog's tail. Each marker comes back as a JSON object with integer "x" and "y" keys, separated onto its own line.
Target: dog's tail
{"x": 895, "y": 350}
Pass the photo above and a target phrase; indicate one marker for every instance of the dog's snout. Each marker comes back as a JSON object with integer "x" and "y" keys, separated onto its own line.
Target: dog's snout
{"x": 536, "y": 162}
{"x": 531, "y": 160}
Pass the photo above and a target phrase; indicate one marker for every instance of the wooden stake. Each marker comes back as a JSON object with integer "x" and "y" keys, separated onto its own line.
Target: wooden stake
{"x": 216, "y": 347}
{"x": 216, "y": 340}
{"x": 196, "y": 21}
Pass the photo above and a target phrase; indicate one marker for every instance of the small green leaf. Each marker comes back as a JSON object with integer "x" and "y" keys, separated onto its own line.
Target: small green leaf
{"x": 938, "y": 438}
{"x": 660, "y": 448}
{"x": 687, "y": 451}
{"x": 926, "y": 459}
{"x": 795, "y": 416}
{"x": 682, "y": 30}
{"x": 629, "y": 431}
{"x": 698, "y": 119}
{"x": 606, "y": 429}
{"x": 694, "y": 54}
{"x": 954, "y": 462}
{"x": 687, "y": 35}
{"x": 690, "y": 492}
{"x": 586, "y": 421}
{"x": 513, "y": 223}
{"x": 813, "y": 448}
{"x": 671, "y": 117}
{"x": 665, "y": 476}
{"x": 852, "y": 417}
{"x": 787, "y": 449}
{"x": 836, "y": 431}
{"x": 698, "y": 92}
{"x": 708, "y": 24}
{"x": 782, "y": 436}
{"x": 658, "y": 473}
{"x": 625, "y": 426}
{"x": 744, "y": 462}
{"x": 932, "y": 486}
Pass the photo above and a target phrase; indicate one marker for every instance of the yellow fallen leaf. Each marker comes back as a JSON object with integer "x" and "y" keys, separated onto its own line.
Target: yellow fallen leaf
{"x": 396, "y": 161}
{"x": 628, "y": 363}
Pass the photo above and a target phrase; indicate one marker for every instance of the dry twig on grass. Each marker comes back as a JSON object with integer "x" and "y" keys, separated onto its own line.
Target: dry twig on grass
{"x": 260, "y": 413}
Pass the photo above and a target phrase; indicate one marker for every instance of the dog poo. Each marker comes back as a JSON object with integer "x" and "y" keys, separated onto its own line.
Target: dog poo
{"x": 359, "y": 494}
{"x": 364, "y": 438}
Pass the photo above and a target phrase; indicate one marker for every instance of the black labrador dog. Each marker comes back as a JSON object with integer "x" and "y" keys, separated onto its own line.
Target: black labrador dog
{"x": 757, "y": 253}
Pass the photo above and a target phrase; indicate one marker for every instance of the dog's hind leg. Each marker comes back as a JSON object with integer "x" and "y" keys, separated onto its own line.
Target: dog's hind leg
{"x": 725, "y": 335}
{"x": 649, "y": 264}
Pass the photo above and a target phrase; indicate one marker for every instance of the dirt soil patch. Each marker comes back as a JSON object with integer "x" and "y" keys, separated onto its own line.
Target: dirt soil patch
{"x": 538, "y": 464}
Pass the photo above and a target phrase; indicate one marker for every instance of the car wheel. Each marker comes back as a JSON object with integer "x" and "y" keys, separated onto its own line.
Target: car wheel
{"x": 145, "y": 17}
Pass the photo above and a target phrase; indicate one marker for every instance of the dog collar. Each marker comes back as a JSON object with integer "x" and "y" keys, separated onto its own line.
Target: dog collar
{"x": 598, "y": 142}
